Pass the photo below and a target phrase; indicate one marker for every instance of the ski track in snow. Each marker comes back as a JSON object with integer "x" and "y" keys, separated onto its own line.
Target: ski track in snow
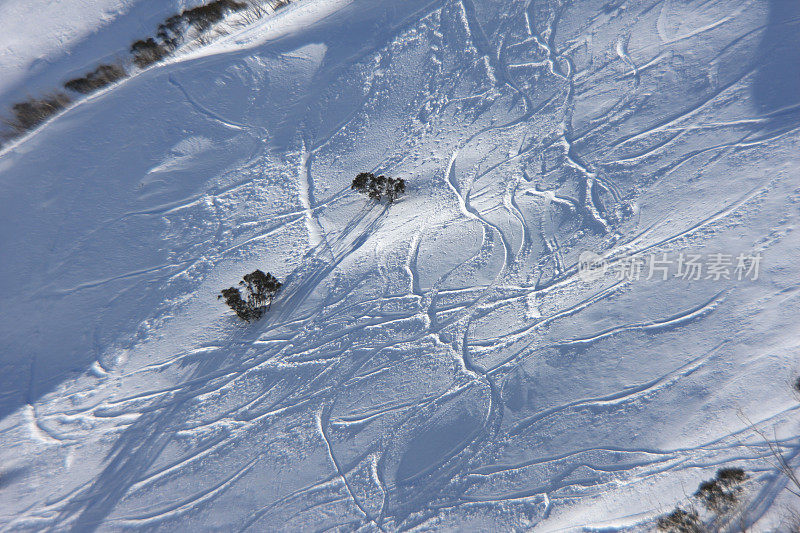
{"x": 436, "y": 363}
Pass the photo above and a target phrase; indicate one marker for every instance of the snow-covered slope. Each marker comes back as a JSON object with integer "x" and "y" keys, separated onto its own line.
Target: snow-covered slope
{"x": 45, "y": 43}
{"x": 438, "y": 363}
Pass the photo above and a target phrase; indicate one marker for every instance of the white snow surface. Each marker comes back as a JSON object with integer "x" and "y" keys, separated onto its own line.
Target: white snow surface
{"x": 437, "y": 363}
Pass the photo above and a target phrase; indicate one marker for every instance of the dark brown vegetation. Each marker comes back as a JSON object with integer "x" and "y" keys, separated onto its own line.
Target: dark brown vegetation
{"x": 680, "y": 521}
{"x": 169, "y": 35}
{"x": 32, "y": 112}
{"x": 203, "y": 17}
{"x": 147, "y": 51}
{"x": 376, "y": 187}
{"x": 260, "y": 289}
{"x": 100, "y": 77}
{"x": 719, "y": 497}
{"x": 721, "y": 494}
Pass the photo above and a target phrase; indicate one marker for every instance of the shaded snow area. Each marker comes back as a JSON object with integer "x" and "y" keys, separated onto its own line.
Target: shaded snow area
{"x": 445, "y": 362}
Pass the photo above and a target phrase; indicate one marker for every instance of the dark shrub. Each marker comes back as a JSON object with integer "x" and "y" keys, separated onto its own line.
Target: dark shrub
{"x": 731, "y": 476}
{"x": 720, "y": 495}
{"x": 361, "y": 180}
{"x": 395, "y": 188}
{"x": 376, "y": 187}
{"x": 171, "y": 32}
{"x": 33, "y": 112}
{"x": 242, "y": 309}
{"x": 680, "y": 521}
{"x": 203, "y": 17}
{"x": 261, "y": 289}
{"x": 100, "y": 77}
{"x": 148, "y": 51}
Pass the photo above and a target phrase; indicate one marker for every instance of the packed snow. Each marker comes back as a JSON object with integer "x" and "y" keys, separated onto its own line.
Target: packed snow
{"x": 441, "y": 362}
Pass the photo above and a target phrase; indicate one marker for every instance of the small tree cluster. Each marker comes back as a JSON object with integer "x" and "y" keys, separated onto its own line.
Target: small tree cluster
{"x": 718, "y": 496}
{"x": 100, "y": 77}
{"x": 33, "y": 112}
{"x": 148, "y": 51}
{"x": 376, "y": 187}
{"x": 260, "y": 289}
{"x": 202, "y": 17}
{"x": 171, "y": 32}
{"x": 680, "y": 521}
{"x": 721, "y": 494}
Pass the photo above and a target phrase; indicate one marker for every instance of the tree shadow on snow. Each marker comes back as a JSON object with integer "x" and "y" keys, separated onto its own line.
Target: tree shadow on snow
{"x": 138, "y": 448}
{"x": 134, "y": 454}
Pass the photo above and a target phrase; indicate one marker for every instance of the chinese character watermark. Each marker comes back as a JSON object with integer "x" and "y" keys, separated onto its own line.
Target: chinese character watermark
{"x": 686, "y": 266}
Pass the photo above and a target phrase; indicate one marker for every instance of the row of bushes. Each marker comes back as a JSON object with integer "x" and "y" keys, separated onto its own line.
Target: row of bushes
{"x": 32, "y": 112}
{"x": 172, "y": 32}
{"x": 169, "y": 35}
{"x": 98, "y": 78}
{"x": 719, "y": 497}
